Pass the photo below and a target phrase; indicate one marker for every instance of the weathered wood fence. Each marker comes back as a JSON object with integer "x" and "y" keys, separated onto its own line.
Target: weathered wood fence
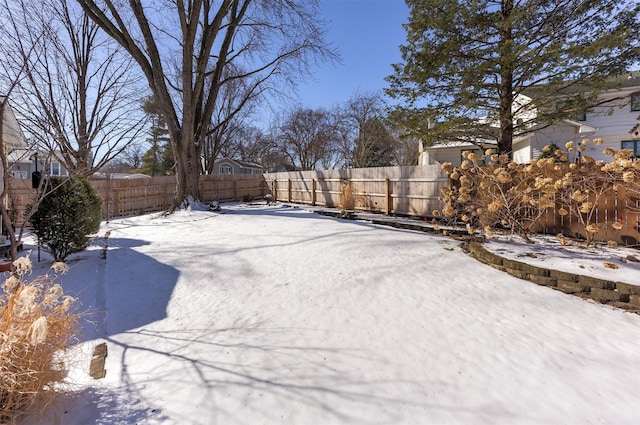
{"x": 407, "y": 191}
{"x": 126, "y": 197}
{"x": 389, "y": 190}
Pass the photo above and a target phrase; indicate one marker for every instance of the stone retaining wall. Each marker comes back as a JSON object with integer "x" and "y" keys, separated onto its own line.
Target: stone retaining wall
{"x": 618, "y": 294}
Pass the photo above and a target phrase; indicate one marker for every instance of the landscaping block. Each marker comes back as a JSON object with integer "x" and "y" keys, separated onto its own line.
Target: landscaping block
{"x": 518, "y": 273}
{"x": 568, "y": 277}
{"x": 627, "y": 306}
{"x": 626, "y": 288}
{"x": 534, "y": 270}
{"x": 543, "y": 280}
{"x": 512, "y": 264}
{"x": 607, "y": 295}
{"x": 596, "y": 283}
{"x": 571, "y": 287}
{"x": 634, "y": 299}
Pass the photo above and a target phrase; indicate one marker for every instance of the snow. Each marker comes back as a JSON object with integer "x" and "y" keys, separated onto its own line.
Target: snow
{"x": 259, "y": 314}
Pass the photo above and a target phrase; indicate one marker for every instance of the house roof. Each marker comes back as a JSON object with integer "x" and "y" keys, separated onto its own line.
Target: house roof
{"x": 620, "y": 82}
{"x": 458, "y": 144}
{"x": 241, "y": 164}
{"x": 18, "y": 155}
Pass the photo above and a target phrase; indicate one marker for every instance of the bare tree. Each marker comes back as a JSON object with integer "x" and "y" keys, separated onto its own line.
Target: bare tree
{"x": 11, "y": 74}
{"x": 373, "y": 146}
{"x": 127, "y": 161}
{"x": 405, "y": 148}
{"x": 261, "y": 40}
{"x": 81, "y": 98}
{"x": 360, "y": 109}
{"x": 236, "y": 102}
{"x": 309, "y": 137}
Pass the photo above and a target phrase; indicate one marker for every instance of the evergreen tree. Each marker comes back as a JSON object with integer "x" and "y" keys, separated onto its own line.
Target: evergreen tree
{"x": 159, "y": 158}
{"x": 66, "y": 216}
{"x": 467, "y": 60}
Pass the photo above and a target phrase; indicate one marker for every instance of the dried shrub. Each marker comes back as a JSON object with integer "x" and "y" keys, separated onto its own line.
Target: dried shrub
{"x": 347, "y": 197}
{"x": 490, "y": 191}
{"x": 38, "y": 322}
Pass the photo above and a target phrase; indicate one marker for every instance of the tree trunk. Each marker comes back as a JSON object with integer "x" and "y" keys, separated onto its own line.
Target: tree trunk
{"x": 187, "y": 171}
{"x": 505, "y": 89}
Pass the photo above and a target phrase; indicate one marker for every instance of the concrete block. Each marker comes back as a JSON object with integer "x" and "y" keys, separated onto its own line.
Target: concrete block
{"x": 518, "y": 273}
{"x": 568, "y": 277}
{"x": 594, "y": 282}
{"x": 570, "y": 287}
{"x": 626, "y": 288}
{"x": 535, "y": 271}
{"x": 512, "y": 264}
{"x": 607, "y": 295}
{"x": 543, "y": 280}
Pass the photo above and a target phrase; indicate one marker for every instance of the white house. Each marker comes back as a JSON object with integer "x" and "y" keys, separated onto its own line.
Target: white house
{"x": 614, "y": 122}
{"x": 23, "y": 162}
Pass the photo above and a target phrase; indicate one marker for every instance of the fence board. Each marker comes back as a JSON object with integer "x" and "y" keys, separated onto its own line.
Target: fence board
{"x": 394, "y": 190}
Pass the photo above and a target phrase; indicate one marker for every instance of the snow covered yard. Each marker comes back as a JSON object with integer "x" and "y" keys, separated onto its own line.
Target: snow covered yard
{"x": 269, "y": 315}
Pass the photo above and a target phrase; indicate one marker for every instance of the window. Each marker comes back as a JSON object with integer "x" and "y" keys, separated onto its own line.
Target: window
{"x": 635, "y": 101}
{"x": 225, "y": 169}
{"x": 632, "y": 145}
{"x": 55, "y": 168}
{"x": 581, "y": 116}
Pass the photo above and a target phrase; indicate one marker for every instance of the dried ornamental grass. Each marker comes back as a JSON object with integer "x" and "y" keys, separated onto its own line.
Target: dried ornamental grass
{"x": 37, "y": 323}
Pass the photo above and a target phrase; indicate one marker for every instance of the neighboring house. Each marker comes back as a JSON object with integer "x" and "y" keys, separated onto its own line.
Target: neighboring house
{"x": 615, "y": 122}
{"x": 233, "y": 166}
{"x": 283, "y": 168}
{"x": 23, "y": 162}
{"x": 12, "y": 134}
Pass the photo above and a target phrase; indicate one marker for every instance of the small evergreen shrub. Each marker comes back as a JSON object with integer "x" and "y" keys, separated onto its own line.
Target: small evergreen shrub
{"x": 66, "y": 216}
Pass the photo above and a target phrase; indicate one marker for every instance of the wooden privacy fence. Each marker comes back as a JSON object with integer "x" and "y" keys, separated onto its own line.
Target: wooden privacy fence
{"x": 389, "y": 190}
{"x": 410, "y": 191}
{"x": 126, "y": 197}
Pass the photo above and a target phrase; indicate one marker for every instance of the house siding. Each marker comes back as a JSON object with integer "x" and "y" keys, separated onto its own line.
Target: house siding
{"x": 612, "y": 121}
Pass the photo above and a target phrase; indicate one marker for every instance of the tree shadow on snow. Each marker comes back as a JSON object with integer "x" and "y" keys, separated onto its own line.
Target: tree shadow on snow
{"x": 113, "y": 300}
{"x": 250, "y": 372}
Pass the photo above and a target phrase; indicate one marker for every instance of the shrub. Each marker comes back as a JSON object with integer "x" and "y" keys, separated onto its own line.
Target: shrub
{"x": 516, "y": 196}
{"x": 347, "y": 197}
{"x": 66, "y": 216}
{"x": 37, "y": 322}
{"x": 247, "y": 198}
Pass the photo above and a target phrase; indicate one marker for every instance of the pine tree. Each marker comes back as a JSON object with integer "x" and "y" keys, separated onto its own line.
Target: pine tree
{"x": 66, "y": 216}
{"x": 158, "y": 160}
{"x": 467, "y": 60}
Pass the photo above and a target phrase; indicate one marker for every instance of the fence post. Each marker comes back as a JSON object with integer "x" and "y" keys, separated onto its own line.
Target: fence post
{"x": 387, "y": 195}
{"x": 116, "y": 202}
{"x": 313, "y": 192}
{"x": 274, "y": 189}
{"x": 288, "y": 190}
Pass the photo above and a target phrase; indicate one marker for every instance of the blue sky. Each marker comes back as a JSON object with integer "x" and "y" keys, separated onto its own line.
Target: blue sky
{"x": 367, "y": 34}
